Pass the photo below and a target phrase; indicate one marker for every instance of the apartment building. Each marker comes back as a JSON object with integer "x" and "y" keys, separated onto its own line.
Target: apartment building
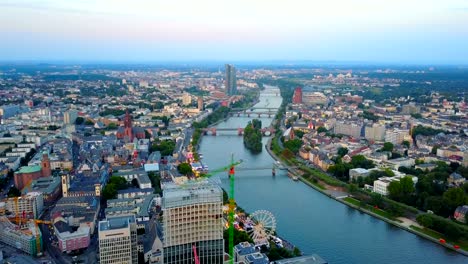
{"x": 118, "y": 240}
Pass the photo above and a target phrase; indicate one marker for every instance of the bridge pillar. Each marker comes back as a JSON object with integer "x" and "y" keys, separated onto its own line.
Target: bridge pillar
{"x": 213, "y": 131}
{"x": 240, "y": 131}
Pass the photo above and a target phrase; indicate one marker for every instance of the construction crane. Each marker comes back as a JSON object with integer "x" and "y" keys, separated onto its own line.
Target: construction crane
{"x": 232, "y": 204}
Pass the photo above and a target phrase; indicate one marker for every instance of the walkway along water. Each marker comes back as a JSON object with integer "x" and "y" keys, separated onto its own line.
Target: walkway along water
{"x": 310, "y": 220}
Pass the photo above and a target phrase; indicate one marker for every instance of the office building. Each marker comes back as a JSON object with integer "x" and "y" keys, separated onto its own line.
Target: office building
{"x": 23, "y": 239}
{"x": 70, "y": 116}
{"x": 193, "y": 217}
{"x": 231, "y": 80}
{"x": 118, "y": 240}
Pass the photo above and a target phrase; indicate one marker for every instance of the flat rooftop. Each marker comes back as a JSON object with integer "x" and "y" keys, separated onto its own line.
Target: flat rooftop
{"x": 117, "y": 222}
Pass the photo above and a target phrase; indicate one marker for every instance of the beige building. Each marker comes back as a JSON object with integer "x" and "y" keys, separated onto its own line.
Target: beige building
{"x": 118, "y": 240}
{"x": 30, "y": 204}
{"x": 23, "y": 239}
{"x": 193, "y": 216}
{"x": 375, "y": 132}
{"x": 186, "y": 99}
{"x": 352, "y": 129}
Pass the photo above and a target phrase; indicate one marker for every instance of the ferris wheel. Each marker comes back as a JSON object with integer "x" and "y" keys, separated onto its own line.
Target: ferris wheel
{"x": 264, "y": 226}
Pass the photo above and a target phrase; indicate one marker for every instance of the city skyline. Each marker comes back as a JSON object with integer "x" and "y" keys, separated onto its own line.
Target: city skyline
{"x": 154, "y": 31}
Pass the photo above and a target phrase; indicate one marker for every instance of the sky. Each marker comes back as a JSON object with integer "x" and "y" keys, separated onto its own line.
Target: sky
{"x": 387, "y": 31}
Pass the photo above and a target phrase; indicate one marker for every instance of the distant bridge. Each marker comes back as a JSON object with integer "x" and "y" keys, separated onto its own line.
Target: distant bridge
{"x": 267, "y": 131}
{"x": 252, "y": 113}
{"x": 273, "y": 109}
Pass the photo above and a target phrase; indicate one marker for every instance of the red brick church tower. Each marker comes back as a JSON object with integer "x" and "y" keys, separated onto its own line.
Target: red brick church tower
{"x": 128, "y": 130}
{"x": 45, "y": 166}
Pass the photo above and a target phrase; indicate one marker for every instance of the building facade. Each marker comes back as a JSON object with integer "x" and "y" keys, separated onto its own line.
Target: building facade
{"x": 193, "y": 217}
{"x": 231, "y": 80}
{"x": 297, "y": 97}
{"x": 118, "y": 240}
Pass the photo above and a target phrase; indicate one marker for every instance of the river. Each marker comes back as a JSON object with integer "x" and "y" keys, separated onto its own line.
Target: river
{"x": 307, "y": 218}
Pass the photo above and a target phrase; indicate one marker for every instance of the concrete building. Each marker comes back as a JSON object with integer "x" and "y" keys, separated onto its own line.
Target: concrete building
{"x": 27, "y": 174}
{"x": 7, "y": 111}
{"x": 231, "y": 80}
{"x": 374, "y": 132}
{"x": 140, "y": 176}
{"x": 118, "y": 240}
{"x": 397, "y": 136}
{"x": 348, "y": 128}
{"x": 193, "y": 216}
{"x": 186, "y": 99}
{"x": 411, "y": 108}
{"x": 28, "y": 205}
{"x": 49, "y": 187}
{"x": 70, "y": 116}
{"x": 354, "y": 174}
{"x": 69, "y": 239}
{"x": 381, "y": 185}
{"x": 314, "y": 98}
{"x": 22, "y": 239}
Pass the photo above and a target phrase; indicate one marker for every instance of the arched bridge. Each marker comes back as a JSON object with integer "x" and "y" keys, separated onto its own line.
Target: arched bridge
{"x": 266, "y": 131}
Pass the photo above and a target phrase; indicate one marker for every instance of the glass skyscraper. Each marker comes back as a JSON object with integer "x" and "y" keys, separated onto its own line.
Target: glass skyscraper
{"x": 231, "y": 81}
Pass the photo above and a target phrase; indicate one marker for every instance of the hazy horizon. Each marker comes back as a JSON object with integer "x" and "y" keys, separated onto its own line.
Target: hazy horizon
{"x": 144, "y": 31}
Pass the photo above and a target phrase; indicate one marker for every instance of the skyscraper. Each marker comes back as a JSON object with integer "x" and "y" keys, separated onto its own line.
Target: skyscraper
{"x": 297, "y": 97}
{"x": 231, "y": 80}
{"x": 193, "y": 217}
{"x": 118, "y": 240}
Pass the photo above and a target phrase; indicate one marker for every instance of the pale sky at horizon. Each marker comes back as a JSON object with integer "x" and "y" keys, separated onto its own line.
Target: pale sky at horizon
{"x": 406, "y": 31}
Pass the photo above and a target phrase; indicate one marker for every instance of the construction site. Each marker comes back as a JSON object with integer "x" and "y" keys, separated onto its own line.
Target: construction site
{"x": 19, "y": 227}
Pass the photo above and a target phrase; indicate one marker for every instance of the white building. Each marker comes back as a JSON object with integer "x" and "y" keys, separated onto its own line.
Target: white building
{"x": 381, "y": 185}
{"x": 30, "y": 204}
{"x": 397, "y": 136}
{"x": 118, "y": 240}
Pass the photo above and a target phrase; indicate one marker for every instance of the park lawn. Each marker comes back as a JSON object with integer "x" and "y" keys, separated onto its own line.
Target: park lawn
{"x": 372, "y": 209}
{"x": 352, "y": 201}
{"x": 316, "y": 184}
{"x": 462, "y": 243}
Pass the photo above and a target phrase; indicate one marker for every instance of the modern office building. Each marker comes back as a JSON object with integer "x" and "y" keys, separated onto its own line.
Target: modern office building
{"x": 193, "y": 217}
{"x": 118, "y": 240}
{"x": 23, "y": 239}
{"x": 231, "y": 80}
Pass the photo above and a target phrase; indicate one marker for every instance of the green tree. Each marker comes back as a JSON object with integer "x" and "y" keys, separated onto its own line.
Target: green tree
{"x": 79, "y": 120}
{"x": 184, "y": 168}
{"x": 388, "y": 146}
{"x": 342, "y": 151}
{"x": 293, "y": 145}
{"x": 394, "y": 190}
{"x": 119, "y": 182}
{"x": 109, "y": 191}
{"x": 454, "y": 197}
{"x": 298, "y": 133}
{"x": 253, "y": 136}
{"x": 112, "y": 126}
{"x": 406, "y": 143}
{"x": 321, "y": 129}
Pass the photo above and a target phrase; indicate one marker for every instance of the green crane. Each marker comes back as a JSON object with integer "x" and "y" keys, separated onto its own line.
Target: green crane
{"x": 232, "y": 203}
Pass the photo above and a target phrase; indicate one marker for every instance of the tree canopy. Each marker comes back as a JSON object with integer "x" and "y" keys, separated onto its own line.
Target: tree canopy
{"x": 184, "y": 168}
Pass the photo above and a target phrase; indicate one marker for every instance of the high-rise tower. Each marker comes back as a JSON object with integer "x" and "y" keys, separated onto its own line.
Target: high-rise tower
{"x": 231, "y": 80}
{"x": 118, "y": 240}
{"x": 193, "y": 217}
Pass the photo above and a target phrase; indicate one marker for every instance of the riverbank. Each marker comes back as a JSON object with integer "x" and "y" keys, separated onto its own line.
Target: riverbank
{"x": 340, "y": 197}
